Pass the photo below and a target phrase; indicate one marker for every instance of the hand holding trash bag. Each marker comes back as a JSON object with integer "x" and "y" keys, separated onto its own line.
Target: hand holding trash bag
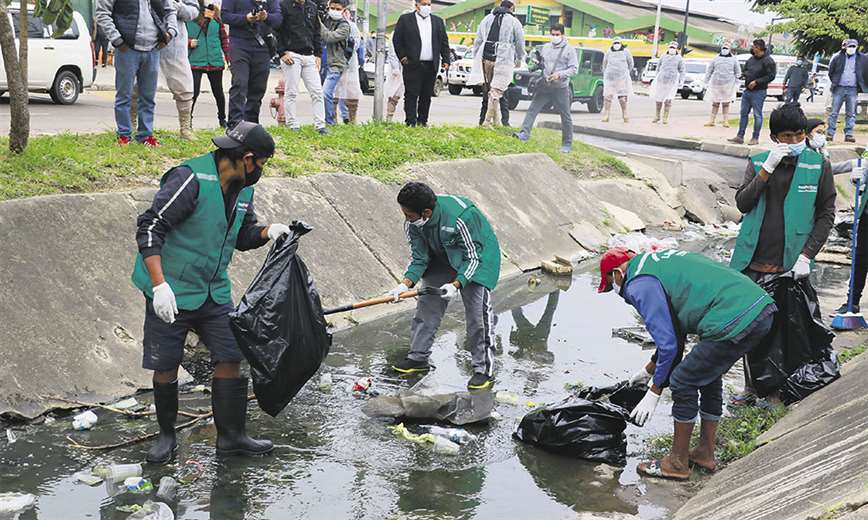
{"x": 645, "y": 409}
{"x": 802, "y": 267}
{"x": 276, "y": 231}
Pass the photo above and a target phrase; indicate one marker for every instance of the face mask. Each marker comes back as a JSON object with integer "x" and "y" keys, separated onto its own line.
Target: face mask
{"x": 800, "y": 63}
{"x": 335, "y": 14}
{"x": 421, "y": 221}
{"x": 424, "y": 10}
{"x": 851, "y": 51}
{"x": 616, "y": 46}
{"x": 797, "y": 149}
{"x": 557, "y": 40}
{"x": 253, "y": 177}
{"x": 818, "y": 141}
{"x": 672, "y": 52}
{"x": 724, "y": 52}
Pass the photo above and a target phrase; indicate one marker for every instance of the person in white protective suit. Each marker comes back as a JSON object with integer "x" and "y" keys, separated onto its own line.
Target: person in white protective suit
{"x": 394, "y": 87}
{"x": 722, "y": 83}
{"x": 349, "y": 90}
{"x": 497, "y": 50}
{"x": 670, "y": 76}
{"x": 617, "y": 82}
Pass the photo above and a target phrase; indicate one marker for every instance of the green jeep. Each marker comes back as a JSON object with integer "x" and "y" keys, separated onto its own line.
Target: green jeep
{"x": 587, "y": 84}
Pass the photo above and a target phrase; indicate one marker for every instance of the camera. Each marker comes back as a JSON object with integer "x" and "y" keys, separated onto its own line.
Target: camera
{"x": 260, "y": 6}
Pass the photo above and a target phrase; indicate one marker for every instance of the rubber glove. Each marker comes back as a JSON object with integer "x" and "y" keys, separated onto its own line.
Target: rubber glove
{"x": 857, "y": 174}
{"x": 645, "y": 409}
{"x": 778, "y": 152}
{"x": 397, "y": 291}
{"x": 802, "y": 269}
{"x": 449, "y": 291}
{"x": 276, "y": 231}
{"x": 641, "y": 377}
{"x": 165, "y": 306}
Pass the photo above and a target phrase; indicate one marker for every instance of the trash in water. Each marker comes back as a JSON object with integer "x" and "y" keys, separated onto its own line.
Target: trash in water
{"x": 362, "y": 388}
{"x": 638, "y": 335}
{"x": 578, "y": 386}
{"x": 132, "y": 508}
{"x": 279, "y": 325}
{"x": 191, "y": 471}
{"x": 11, "y": 503}
{"x": 445, "y": 446}
{"x": 153, "y": 511}
{"x": 811, "y": 377}
{"x": 456, "y": 435}
{"x": 10, "y": 436}
{"x": 138, "y": 485}
{"x": 126, "y": 404}
{"x": 168, "y": 489}
{"x": 589, "y": 425}
{"x": 533, "y": 281}
{"x": 117, "y": 471}
{"x": 325, "y": 383}
{"x": 84, "y": 421}
{"x": 505, "y": 397}
{"x": 437, "y": 443}
{"x": 641, "y": 243}
{"x": 49, "y": 420}
{"x": 201, "y": 389}
{"x": 86, "y": 477}
{"x": 425, "y": 402}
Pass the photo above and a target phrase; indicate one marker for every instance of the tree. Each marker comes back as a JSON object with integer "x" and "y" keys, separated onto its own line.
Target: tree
{"x": 819, "y": 25}
{"x": 57, "y": 14}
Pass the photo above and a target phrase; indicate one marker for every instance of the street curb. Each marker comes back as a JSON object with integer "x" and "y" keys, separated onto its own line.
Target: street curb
{"x": 669, "y": 142}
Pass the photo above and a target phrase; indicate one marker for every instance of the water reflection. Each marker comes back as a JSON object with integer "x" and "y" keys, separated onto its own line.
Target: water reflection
{"x": 441, "y": 493}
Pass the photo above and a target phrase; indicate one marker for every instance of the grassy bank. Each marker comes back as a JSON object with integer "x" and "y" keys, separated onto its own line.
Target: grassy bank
{"x": 70, "y": 163}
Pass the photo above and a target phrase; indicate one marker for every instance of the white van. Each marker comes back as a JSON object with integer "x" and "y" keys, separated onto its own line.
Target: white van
{"x": 61, "y": 67}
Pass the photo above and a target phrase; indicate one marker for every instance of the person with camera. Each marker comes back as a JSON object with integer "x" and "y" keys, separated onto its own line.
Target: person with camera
{"x": 250, "y": 52}
{"x": 557, "y": 64}
{"x": 335, "y": 32}
{"x": 137, "y": 39}
{"x": 209, "y": 47}
{"x": 298, "y": 44}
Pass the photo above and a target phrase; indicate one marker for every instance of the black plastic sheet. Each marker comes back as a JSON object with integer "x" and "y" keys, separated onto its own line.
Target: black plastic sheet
{"x": 280, "y": 326}
{"x": 811, "y": 377}
{"x": 589, "y": 425}
{"x": 797, "y": 336}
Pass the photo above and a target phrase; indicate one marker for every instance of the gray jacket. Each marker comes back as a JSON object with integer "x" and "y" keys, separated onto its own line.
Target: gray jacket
{"x": 560, "y": 60}
{"x": 147, "y": 32}
{"x": 334, "y": 34}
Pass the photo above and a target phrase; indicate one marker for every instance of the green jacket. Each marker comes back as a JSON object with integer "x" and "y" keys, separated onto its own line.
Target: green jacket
{"x": 459, "y": 232}
{"x": 709, "y": 298}
{"x": 209, "y": 51}
{"x": 196, "y": 254}
{"x": 799, "y": 212}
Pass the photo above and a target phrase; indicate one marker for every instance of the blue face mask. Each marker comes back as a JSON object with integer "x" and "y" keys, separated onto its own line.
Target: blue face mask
{"x": 797, "y": 149}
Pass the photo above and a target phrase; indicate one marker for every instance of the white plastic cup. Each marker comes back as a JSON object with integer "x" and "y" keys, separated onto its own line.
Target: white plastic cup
{"x": 84, "y": 421}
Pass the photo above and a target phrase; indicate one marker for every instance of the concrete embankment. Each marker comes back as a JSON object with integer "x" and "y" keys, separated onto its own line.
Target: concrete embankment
{"x": 72, "y": 323}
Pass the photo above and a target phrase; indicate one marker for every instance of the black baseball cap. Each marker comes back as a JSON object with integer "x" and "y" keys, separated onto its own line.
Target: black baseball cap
{"x": 251, "y": 136}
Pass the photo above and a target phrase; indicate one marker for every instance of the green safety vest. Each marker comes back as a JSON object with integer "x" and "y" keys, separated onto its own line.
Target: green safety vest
{"x": 196, "y": 253}
{"x": 799, "y": 212}
{"x": 709, "y": 298}
{"x": 209, "y": 51}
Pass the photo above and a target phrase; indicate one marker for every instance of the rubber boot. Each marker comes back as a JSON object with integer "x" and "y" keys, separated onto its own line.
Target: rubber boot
{"x": 713, "y": 118}
{"x": 391, "y": 107}
{"x": 607, "y": 109}
{"x": 623, "y": 103}
{"x": 229, "y": 402}
{"x": 185, "y": 119}
{"x": 657, "y": 113}
{"x": 353, "y": 109}
{"x": 666, "y": 108}
{"x": 166, "y": 402}
{"x": 726, "y": 115}
{"x": 494, "y": 110}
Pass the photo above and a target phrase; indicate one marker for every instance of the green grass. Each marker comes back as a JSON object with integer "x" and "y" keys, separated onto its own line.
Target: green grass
{"x": 847, "y": 355}
{"x": 736, "y": 435}
{"x": 68, "y": 163}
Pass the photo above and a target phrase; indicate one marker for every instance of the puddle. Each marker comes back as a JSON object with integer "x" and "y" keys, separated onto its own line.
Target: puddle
{"x": 331, "y": 461}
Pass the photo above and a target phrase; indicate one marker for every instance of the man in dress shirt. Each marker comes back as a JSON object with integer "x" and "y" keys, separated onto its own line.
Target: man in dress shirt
{"x": 421, "y": 44}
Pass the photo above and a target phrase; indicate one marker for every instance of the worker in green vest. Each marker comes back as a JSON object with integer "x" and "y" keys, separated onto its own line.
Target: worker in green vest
{"x": 788, "y": 201}
{"x": 678, "y": 293}
{"x": 201, "y": 214}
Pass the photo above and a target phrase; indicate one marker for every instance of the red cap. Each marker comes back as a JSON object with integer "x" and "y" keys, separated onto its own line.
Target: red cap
{"x": 609, "y": 261}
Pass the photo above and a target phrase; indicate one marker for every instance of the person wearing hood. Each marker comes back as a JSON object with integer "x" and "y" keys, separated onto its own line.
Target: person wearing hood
{"x": 722, "y": 82}
{"x": 202, "y": 212}
{"x": 848, "y": 72}
{"x": 795, "y": 80}
{"x": 617, "y": 64}
{"x": 678, "y": 293}
{"x": 497, "y": 50}
{"x": 349, "y": 88}
{"x": 670, "y": 76}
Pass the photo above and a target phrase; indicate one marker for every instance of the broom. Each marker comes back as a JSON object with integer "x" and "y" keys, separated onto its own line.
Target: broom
{"x": 851, "y": 320}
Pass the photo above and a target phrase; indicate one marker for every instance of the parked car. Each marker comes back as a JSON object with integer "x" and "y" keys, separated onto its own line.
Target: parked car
{"x": 62, "y": 67}
{"x": 694, "y": 79}
{"x": 587, "y": 84}
{"x": 459, "y": 73}
{"x": 649, "y": 72}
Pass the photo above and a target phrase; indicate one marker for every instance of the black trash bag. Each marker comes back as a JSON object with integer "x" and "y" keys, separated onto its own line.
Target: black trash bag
{"x": 279, "y": 325}
{"x": 588, "y": 426}
{"x": 811, "y": 377}
{"x": 797, "y": 335}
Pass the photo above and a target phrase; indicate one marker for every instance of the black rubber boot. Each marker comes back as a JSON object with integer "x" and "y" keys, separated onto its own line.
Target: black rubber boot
{"x": 166, "y": 401}
{"x": 229, "y": 402}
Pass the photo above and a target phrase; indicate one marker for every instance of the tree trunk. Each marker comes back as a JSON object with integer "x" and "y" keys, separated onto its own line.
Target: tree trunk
{"x": 23, "y": 40}
{"x": 19, "y": 128}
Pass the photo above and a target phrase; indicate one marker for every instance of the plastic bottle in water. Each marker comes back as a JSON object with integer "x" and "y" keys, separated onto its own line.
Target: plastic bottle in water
{"x": 456, "y": 435}
{"x": 117, "y": 471}
{"x": 168, "y": 489}
{"x": 507, "y": 397}
{"x": 138, "y": 485}
{"x": 445, "y": 446}
{"x": 153, "y": 511}
{"x": 325, "y": 383}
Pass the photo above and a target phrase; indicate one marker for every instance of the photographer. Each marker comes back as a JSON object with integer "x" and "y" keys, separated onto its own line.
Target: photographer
{"x": 250, "y": 22}
{"x": 557, "y": 65}
{"x": 335, "y": 32}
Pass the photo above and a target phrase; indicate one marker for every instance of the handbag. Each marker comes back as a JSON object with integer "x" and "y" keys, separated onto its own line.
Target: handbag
{"x": 538, "y": 80}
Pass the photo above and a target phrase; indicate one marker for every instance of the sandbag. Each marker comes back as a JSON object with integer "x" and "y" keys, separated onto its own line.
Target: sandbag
{"x": 797, "y": 335}
{"x": 279, "y": 325}
{"x": 811, "y": 377}
{"x": 589, "y": 425}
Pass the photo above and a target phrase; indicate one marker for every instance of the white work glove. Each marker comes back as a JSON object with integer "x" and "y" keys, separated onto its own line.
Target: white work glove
{"x": 802, "y": 269}
{"x": 449, "y": 291}
{"x": 641, "y": 377}
{"x": 276, "y": 231}
{"x": 165, "y": 306}
{"x": 397, "y": 291}
{"x": 778, "y": 152}
{"x": 645, "y": 409}
{"x": 857, "y": 174}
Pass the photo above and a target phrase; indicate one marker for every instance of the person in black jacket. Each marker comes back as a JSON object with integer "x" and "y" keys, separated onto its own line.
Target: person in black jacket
{"x": 795, "y": 80}
{"x": 759, "y": 71}
{"x": 298, "y": 46}
{"x": 421, "y": 44}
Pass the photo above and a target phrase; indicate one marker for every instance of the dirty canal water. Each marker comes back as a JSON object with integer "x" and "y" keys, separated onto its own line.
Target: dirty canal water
{"x": 333, "y": 462}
